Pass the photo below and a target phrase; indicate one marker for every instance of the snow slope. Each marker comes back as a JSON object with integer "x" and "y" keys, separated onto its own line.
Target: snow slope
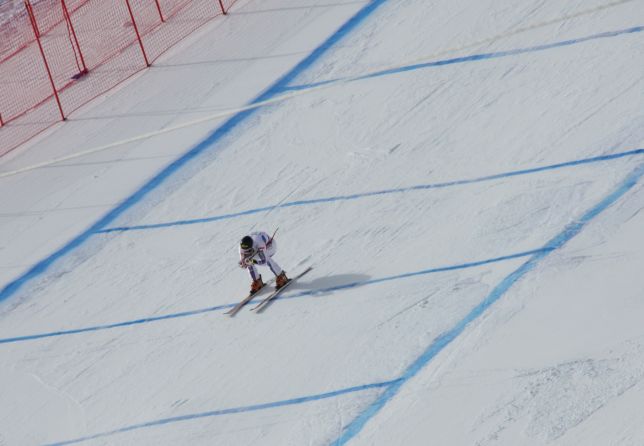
{"x": 465, "y": 177}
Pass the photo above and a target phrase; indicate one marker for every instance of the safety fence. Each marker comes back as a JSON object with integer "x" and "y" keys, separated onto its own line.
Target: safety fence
{"x": 57, "y": 55}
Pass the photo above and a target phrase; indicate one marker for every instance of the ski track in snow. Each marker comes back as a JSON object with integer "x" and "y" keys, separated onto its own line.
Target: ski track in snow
{"x": 150, "y": 319}
{"x": 567, "y": 393}
{"x": 283, "y": 85}
{"x": 234, "y": 410}
{"x": 340, "y": 81}
{"x": 472, "y": 58}
{"x": 419, "y": 187}
{"x": 442, "y": 341}
{"x": 555, "y": 399}
{"x": 315, "y": 292}
{"x": 204, "y": 145}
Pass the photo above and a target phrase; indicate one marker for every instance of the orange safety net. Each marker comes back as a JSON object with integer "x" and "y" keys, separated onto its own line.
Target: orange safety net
{"x": 57, "y": 55}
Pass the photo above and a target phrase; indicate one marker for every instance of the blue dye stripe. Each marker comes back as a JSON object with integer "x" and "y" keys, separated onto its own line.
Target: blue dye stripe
{"x": 419, "y": 187}
{"x": 234, "y": 410}
{"x": 474, "y": 58}
{"x": 146, "y": 320}
{"x": 417, "y": 273}
{"x": 293, "y": 296}
{"x": 208, "y": 143}
{"x": 447, "y": 337}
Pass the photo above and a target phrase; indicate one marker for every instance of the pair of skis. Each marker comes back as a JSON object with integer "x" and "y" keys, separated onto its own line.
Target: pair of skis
{"x": 261, "y": 306}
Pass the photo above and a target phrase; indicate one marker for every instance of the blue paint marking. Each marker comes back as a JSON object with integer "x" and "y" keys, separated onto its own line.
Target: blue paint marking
{"x": 419, "y": 187}
{"x": 146, "y": 320}
{"x": 417, "y": 273}
{"x": 42, "y": 266}
{"x": 439, "y": 343}
{"x": 234, "y": 410}
{"x": 392, "y": 387}
{"x": 447, "y": 337}
{"x": 475, "y": 57}
{"x": 293, "y": 296}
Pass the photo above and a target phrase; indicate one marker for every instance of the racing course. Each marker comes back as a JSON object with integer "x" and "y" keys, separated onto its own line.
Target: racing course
{"x": 466, "y": 179}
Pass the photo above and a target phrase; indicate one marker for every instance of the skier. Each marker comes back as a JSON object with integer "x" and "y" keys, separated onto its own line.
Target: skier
{"x": 258, "y": 248}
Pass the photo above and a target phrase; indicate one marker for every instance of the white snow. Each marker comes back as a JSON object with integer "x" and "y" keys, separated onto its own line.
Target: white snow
{"x": 411, "y": 191}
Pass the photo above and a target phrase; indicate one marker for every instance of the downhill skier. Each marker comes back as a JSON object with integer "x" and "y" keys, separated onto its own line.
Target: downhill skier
{"x": 258, "y": 248}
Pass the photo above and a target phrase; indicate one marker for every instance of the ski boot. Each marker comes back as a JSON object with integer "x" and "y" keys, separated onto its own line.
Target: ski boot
{"x": 281, "y": 280}
{"x": 256, "y": 285}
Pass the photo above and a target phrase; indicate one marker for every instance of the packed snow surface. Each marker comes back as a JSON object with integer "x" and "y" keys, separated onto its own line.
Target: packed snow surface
{"x": 465, "y": 178}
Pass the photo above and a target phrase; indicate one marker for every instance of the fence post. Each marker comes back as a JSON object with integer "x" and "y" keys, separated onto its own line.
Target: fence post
{"x": 71, "y": 26}
{"x": 34, "y": 25}
{"x": 159, "y": 9}
{"x": 32, "y": 19}
{"x": 1, "y": 121}
{"x": 221, "y": 5}
{"x": 136, "y": 30}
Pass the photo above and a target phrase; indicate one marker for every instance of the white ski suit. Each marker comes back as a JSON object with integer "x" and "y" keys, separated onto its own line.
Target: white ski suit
{"x": 262, "y": 252}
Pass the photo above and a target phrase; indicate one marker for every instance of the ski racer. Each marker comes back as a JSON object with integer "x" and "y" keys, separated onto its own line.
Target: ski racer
{"x": 258, "y": 248}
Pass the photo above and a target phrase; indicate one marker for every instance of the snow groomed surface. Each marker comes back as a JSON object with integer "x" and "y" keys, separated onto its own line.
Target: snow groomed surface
{"x": 466, "y": 222}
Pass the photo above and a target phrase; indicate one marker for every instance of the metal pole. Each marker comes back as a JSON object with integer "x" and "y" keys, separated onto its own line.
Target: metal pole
{"x": 136, "y": 30}
{"x": 69, "y": 21}
{"x": 159, "y": 9}
{"x": 32, "y": 18}
{"x": 221, "y": 5}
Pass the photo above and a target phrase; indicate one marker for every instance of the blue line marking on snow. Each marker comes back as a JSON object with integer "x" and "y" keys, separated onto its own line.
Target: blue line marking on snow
{"x": 234, "y": 410}
{"x": 417, "y": 273}
{"x": 419, "y": 187}
{"x": 42, "y": 266}
{"x": 474, "y": 58}
{"x": 447, "y": 337}
{"x": 292, "y": 296}
{"x": 115, "y": 325}
{"x": 392, "y": 387}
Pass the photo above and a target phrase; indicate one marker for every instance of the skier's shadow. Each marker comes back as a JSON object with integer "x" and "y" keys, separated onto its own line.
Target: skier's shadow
{"x": 328, "y": 284}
